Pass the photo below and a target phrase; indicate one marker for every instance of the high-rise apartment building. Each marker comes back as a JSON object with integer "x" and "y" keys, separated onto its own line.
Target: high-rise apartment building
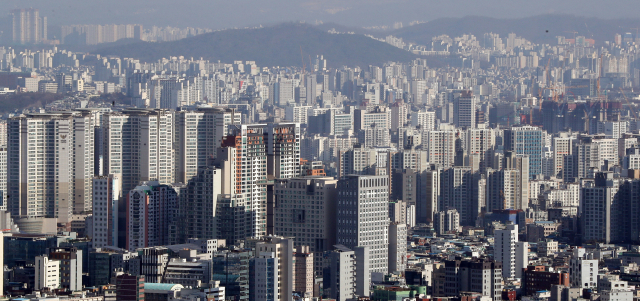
{"x": 562, "y": 147}
{"x": 601, "y": 209}
{"x": 426, "y": 120}
{"x": 357, "y": 160}
{"x": 199, "y": 205}
{"x": 28, "y": 27}
{"x": 510, "y": 252}
{"x": 397, "y": 246}
{"x": 107, "y": 196}
{"x": 446, "y": 221}
{"x": 311, "y": 85}
{"x": 305, "y": 208}
{"x": 198, "y": 135}
{"x": 363, "y": 217}
{"x": 139, "y": 146}
{"x": 283, "y": 150}
{"x": 249, "y": 176}
{"x": 151, "y": 207}
{"x": 594, "y": 153}
{"x": 508, "y": 188}
{"x": 378, "y": 116}
{"x": 457, "y": 192}
{"x": 442, "y": 148}
{"x": 399, "y": 112}
{"x": 480, "y": 142}
{"x": 50, "y": 164}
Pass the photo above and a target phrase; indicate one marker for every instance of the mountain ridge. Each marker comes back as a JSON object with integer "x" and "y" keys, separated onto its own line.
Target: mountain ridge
{"x": 279, "y": 45}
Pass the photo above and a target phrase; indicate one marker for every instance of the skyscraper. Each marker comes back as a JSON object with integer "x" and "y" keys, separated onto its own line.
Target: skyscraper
{"x": 363, "y": 217}
{"x": 508, "y": 188}
{"x": 428, "y": 196}
{"x": 480, "y": 142}
{"x": 50, "y": 164}
{"x": 527, "y": 140}
{"x": 465, "y": 110}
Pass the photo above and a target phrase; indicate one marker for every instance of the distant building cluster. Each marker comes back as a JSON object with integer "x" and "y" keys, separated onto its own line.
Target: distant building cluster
{"x": 98, "y": 34}
{"x": 28, "y": 27}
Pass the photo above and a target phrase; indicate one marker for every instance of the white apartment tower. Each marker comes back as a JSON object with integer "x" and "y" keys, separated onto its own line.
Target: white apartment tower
{"x": 510, "y": 252}
{"x": 363, "y": 217}
{"x": 561, "y": 147}
{"x": 480, "y": 142}
{"x": 50, "y": 164}
{"x": 139, "y": 146}
{"x": 198, "y": 136}
{"x": 442, "y": 148}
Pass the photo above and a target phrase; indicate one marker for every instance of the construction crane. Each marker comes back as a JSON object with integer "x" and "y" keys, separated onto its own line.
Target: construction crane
{"x": 572, "y": 87}
{"x": 555, "y": 92}
{"x": 628, "y": 103}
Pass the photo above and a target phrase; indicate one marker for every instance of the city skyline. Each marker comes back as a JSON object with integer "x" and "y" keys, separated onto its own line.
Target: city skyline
{"x": 298, "y": 162}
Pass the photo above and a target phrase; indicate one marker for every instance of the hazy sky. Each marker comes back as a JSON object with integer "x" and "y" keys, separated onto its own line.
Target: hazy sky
{"x": 219, "y": 14}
